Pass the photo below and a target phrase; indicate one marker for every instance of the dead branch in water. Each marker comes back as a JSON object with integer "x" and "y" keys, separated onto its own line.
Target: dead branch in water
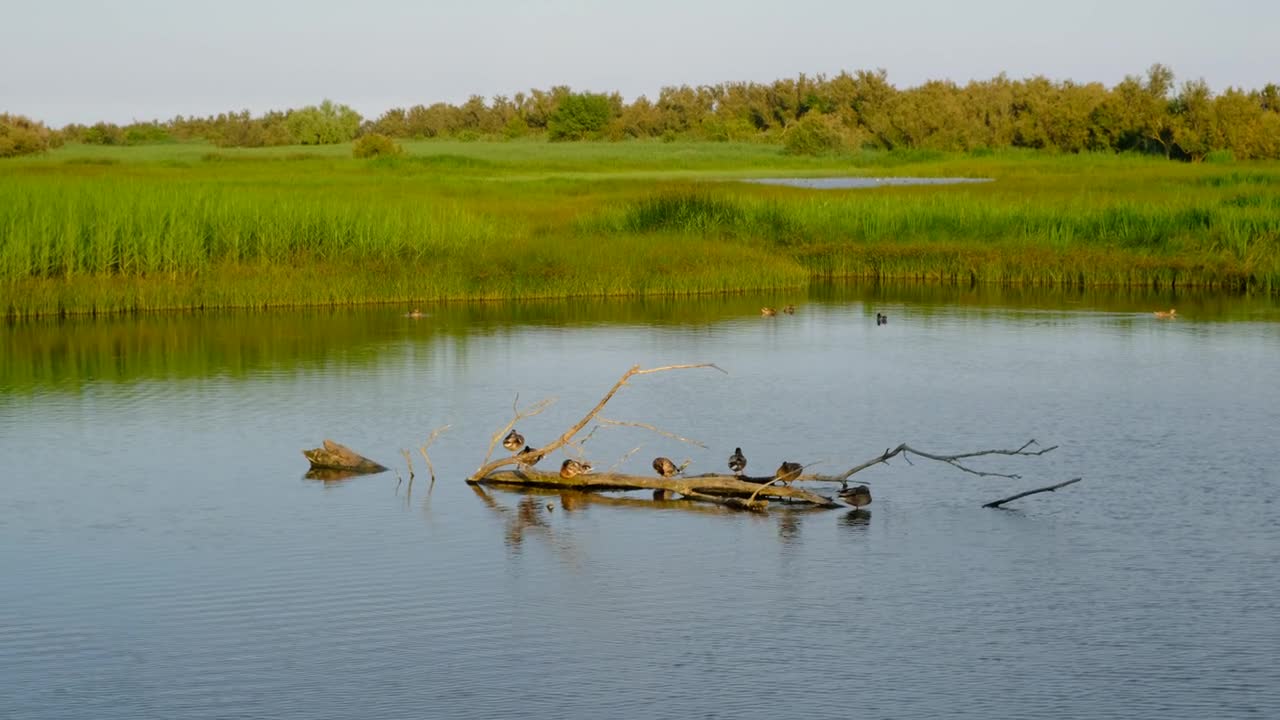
{"x": 490, "y": 466}
{"x": 953, "y": 460}
{"x": 733, "y": 491}
{"x": 427, "y": 458}
{"x": 1051, "y": 488}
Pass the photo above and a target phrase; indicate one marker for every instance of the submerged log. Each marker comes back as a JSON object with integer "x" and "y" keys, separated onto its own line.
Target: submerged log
{"x": 335, "y": 456}
{"x": 725, "y": 490}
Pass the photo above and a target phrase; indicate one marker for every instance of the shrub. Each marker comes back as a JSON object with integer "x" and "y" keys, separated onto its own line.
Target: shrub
{"x": 376, "y": 145}
{"x": 102, "y": 133}
{"x": 21, "y": 135}
{"x": 578, "y": 116}
{"x": 323, "y": 124}
{"x": 146, "y": 133}
{"x": 814, "y": 134}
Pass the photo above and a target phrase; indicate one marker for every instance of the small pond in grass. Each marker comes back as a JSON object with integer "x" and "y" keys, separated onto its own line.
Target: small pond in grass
{"x": 162, "y": 554}
{"x": 848, "y": 183}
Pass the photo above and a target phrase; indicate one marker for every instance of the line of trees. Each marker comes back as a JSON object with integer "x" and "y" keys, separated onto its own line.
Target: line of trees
{"x": 1146, "y": 113}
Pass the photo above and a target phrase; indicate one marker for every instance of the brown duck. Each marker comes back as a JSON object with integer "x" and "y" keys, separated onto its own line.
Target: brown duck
{"x": 788, "y": 471}
{"x": 664, "y": 467}
{"x": 856, "y": 496}
{"x": 572, "y": 468}
{"x": 513, "y": 441}
{"x": 737, "y": 461}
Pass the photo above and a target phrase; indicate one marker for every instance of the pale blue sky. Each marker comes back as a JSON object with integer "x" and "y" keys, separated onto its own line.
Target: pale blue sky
{"x": 80, "y": 61}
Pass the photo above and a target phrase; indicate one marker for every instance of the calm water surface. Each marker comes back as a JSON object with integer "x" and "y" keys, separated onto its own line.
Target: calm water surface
{"x": 162, "y": 554}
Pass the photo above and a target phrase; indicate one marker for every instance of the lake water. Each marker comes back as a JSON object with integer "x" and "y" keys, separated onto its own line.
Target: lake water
{"x": 162, "y": 554}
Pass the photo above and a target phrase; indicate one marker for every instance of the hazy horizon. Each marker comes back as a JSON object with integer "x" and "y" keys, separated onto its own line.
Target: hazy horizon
{"x": 148, "y": 59}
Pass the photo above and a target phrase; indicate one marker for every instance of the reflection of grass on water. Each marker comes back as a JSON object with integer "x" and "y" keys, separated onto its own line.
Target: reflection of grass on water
{"x": 46, "y": 353}
{"x": 179, "y": 226}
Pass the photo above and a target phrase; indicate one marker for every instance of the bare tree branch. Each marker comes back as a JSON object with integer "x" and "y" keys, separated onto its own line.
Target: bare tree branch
{"x": 564, "y": 439}
{"x": 952, "y": 460}
{"x": 651, "y": 428}
{"x": 535, "y": 409}
{"x": 1051, "y": 488}
{"x": 423, "y": 449}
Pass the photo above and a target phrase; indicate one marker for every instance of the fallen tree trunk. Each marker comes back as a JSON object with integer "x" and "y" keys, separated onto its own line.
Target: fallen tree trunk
{"x": 721, "y": 489}
{"x": 335, "y": 456}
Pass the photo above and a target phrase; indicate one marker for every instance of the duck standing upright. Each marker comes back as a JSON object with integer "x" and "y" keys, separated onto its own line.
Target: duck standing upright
{"x": 856, "y": 496}
{"x": 737, "y": 461}
{"x": 787, "y": 472}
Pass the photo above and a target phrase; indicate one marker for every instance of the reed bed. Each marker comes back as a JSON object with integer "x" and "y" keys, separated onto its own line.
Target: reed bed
{"x": 110, "y": 229}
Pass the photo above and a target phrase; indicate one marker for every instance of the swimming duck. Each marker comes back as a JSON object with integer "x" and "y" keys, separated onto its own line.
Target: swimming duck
{"x": 790, "y": 309}
{"x": 788, "y": 471}
{"x": 513, "y": 441}
{"x": 737, "y": 461}
{"x": 572, "y": 468}
{"x": 856, "y": 496}
{"x": 882, "y": 319}
{"x": 1173, "y": 313}
{"x": 768, "y": 312}
{"x": 665, "y": 467}
{"x": 415, "y": 313}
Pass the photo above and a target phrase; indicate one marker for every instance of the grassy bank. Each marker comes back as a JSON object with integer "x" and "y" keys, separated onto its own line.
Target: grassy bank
{"x": 100, "y": 229}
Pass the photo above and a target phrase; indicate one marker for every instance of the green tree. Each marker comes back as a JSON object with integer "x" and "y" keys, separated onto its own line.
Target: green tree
{"x": 578, "y": 116}
{"x": 323, "y": 124}
{"x": 1196, "y": 133}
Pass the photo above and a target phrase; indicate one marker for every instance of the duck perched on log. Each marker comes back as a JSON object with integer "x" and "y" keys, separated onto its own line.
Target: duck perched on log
{"x": 737, "y": 461}
{"x": 572, "y": 468}
{"x": 788, "y": 471}
{"x": 857, "y": 496}
{"x": 664, "y": 467}
{"x": 529, "y": 456}
{"x": 513, "y": 441}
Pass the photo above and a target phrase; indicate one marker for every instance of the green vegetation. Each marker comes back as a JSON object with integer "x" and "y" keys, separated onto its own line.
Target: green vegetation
{"x": 23, "y": 136}
{"x": 375, "y": 145}
{"x": 98, "y": 228}
{"x": 1148, "y": 113}
{"x": 579, "y": 116}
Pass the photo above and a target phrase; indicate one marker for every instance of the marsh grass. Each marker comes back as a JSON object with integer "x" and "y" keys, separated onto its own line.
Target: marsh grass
{"x": 103, "y": 229}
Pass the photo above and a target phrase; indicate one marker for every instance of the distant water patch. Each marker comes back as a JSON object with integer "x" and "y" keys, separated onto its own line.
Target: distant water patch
{"x": 842, "y": 183}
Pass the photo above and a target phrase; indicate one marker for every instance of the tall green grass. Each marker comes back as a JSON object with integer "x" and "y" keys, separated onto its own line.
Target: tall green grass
{"x": 104, "y": 229}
